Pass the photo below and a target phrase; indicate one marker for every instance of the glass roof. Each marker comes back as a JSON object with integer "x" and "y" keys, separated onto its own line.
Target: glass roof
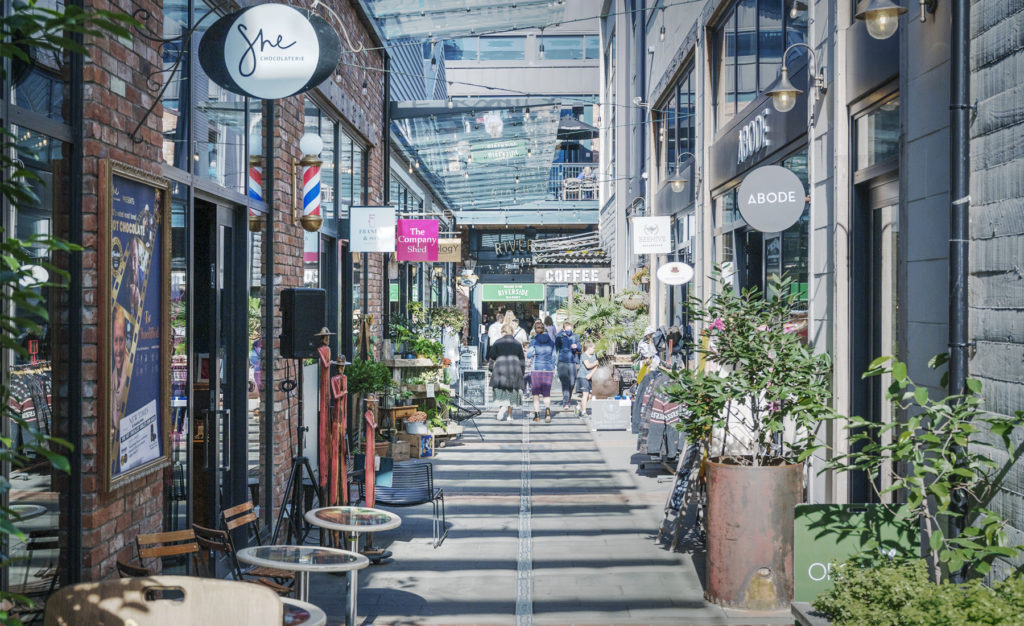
{"x": 488, "y": 153}
{"x": 444, "y": 19}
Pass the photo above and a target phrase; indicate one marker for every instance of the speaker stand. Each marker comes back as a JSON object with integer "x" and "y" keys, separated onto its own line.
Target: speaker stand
{"x": 293, "y": 501}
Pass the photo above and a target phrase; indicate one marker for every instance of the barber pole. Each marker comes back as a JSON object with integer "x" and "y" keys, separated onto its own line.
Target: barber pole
{"x": 311, "y": 196}
{"x": 256, "y": 219}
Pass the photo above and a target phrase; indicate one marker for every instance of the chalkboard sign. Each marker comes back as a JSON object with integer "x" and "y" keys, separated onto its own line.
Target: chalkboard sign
{"x": 684, "y": 472}
{"x": 468, "y": 357}
{"x": 474, "y": 386}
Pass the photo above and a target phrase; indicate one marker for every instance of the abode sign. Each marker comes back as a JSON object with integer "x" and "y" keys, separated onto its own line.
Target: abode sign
{"x": 269, "y": 51}
{"x": 771, "y": 198}
{"x": 753, "y": 137}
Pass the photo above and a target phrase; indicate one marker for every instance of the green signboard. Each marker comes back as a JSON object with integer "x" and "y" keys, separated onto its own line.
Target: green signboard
{"x": 393, "y": 293}
{"x": 498, "y": 151}
{"x": 525, "y": 292}
{"x": 824, "y": 533}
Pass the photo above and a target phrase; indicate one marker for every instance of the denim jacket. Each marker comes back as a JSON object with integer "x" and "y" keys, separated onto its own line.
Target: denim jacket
{"x": 564, "y": 343}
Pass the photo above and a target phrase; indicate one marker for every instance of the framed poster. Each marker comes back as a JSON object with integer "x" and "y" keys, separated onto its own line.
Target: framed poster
{"x": 135, "y": 361}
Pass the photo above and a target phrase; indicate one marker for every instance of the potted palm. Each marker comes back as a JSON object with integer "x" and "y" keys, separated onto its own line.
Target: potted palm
{"x": 760, "y": 397}
{"x": 611, "y": 326}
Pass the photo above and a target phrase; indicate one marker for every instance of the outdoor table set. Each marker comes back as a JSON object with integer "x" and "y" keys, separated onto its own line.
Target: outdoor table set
{"x": 305, "y": 559}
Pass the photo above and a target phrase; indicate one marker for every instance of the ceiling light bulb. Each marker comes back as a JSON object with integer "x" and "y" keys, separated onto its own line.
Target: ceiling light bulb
{"x": 450, "y": 103}
{"x": 661, "y": 33}
{"x": 792, "y": 11}
{"x": 541, "y": 51}
{"x": 364, "y": 87}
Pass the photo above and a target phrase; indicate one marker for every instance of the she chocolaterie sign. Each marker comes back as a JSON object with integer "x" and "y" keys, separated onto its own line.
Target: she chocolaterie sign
{"x": 269, "y": 51}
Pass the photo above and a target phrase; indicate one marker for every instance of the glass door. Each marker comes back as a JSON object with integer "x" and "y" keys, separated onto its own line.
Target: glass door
{"x": 221, "y": 351}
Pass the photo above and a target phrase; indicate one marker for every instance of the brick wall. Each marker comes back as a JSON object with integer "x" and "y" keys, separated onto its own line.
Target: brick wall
{"x": 996, "y": 283}
{"x": 116, "y": 98}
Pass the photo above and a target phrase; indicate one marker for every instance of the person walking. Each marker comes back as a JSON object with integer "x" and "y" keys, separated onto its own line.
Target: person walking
{"x": 549, "y": 325}
{"x": 588, "y": 366}
{"x": 542, "y": 351}
{"x": 568, "y": 346}
{"x": 508, "y": 364}
{"x": 494, "y": 330}
{"x": 517, "y": 331}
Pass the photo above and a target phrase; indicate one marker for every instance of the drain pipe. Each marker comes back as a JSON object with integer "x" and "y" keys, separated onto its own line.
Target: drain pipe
{"x": 959, "y": 152}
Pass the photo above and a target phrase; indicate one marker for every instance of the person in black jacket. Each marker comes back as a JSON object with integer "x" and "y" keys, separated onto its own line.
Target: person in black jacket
{"x": 507, "y": 371}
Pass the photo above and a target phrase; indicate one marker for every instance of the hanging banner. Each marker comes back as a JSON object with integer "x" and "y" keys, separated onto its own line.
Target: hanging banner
{"x": 373, "y": 229}
{"x": 520, "y": 292}
{"x": 269, "y": 51}
{"x": 449, "y": 251}
{"x": 652, "y": 235}
{"x": 136, "y": 323}
{"x": 417, "y": 240}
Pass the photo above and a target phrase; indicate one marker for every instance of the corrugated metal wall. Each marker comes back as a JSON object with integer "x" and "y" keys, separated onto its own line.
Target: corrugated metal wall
{"x": 997, "y": 223}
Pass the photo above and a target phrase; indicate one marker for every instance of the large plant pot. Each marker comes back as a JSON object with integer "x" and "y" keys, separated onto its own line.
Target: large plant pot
{"x": 604, "y": 383}
{"x": 750, "y": 534}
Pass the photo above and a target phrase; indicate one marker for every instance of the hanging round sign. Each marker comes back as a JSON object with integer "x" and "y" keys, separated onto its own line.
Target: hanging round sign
{"x": 675, "y": 273}
{"x": 269, "y": 51}
{"x": 771, "y": 199}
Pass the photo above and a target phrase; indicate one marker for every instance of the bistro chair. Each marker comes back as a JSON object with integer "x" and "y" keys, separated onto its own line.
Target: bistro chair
{"x": 412, "y": 484}
{"x": 245, "y": 515}
{"x": 462, "y": 410}
{"x": 131, "y": 570}
{"x": 164, "y": 601}
{"x": 216, "y": 544}
{"x": 176, "y": 543}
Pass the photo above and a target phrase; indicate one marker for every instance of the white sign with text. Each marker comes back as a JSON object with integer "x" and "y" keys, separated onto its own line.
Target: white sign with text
{"x": 652, "y": 235}
{"x": 373, "y": 229}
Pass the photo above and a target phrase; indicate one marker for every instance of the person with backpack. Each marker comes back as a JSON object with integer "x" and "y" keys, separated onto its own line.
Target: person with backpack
{"x": 542, "y": 351}
{"x": 568, "y": 346}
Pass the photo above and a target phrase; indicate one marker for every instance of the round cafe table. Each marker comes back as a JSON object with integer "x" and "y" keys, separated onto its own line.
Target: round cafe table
{"x": 353, "y": 520}
{"x": 299, "y": 613}
{"x": 24, "y": 512}
{"x": 302, "y": 560}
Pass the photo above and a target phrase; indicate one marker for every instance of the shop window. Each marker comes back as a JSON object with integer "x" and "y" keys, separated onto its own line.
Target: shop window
{"x": 503, "y": 48}
{"x": 463, "y": 49}
{"x": 591, "y": 47}
{"x": 878, "y": 135}
{"x": 176, "y": 97}
{"x": 562, "y": 47}
{"x": 30, "y": 376}
{"x": 795, "y": 238}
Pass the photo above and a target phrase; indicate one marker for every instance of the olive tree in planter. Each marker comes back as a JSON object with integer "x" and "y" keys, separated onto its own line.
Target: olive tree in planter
{"x": 761, "y": 397}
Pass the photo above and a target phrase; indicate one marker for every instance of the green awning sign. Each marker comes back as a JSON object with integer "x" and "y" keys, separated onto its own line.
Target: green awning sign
{"x": 526, "y": 292}
{"x": 393, "y": 293}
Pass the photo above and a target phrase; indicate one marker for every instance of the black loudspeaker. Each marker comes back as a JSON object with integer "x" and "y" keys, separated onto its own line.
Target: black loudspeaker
{"x": 303, "y": 314}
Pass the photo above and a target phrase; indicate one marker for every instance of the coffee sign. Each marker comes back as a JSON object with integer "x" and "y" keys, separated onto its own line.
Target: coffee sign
{"x": 558, "y": 275}
{"x": 771, "y": 199}
{"x": 269, "y": 51}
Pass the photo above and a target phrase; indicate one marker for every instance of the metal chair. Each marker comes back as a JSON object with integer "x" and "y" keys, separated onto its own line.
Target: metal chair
{"x": 412, "y": 484}
{"x": 462, "y": 410}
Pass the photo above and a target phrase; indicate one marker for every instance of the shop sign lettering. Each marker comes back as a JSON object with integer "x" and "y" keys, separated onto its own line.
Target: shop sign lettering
{"x": 558, "y": 275}
{"x": 511, "y": 247}
{"x": 771, "y": 198}
{"x": 753, "y": 137}
{"x": 417, "y": 240}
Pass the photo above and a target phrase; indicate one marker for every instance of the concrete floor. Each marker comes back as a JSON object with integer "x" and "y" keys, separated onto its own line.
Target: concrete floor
{"x": 579, "y": 548}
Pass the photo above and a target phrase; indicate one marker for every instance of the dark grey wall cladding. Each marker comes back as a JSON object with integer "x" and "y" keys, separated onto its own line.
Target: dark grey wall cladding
{"x": 997, "y": 225}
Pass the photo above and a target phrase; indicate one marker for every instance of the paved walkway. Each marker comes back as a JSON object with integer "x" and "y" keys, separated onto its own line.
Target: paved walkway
{"x": 550, "y": 524}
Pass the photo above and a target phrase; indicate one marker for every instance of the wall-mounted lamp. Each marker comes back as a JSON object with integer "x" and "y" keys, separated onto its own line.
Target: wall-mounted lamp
{"x": 784, "y": 93}
{"x": 311, "y": 218}
{"x": 882, "y": 17}
{"x": 678, "y": 180}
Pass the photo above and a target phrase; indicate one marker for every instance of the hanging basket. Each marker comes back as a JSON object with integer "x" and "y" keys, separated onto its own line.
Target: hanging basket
{"x": 633, "y": 302}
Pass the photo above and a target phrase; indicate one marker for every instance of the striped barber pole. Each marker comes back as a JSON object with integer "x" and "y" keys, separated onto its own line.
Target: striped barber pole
{"x": 256, "y": 182}
{"x": 311, "y": 190}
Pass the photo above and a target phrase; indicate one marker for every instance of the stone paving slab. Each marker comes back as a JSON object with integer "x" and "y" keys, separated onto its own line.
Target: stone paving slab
{"x": 592, "y": 522}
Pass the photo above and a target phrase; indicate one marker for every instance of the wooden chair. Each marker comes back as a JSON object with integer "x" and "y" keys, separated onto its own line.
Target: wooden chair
{"x": 130, "y": 570}
{"x": 163, "y": 601}
{"x": 216, "y": 544}
{"x": 413, "y": 484}
{"x": 177, "y": 543}
{"x": 46, "y": 577}
{"x": 245, "y": 515}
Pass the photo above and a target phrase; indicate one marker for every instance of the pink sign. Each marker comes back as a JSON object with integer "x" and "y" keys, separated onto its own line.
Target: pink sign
{"x": 417, "y": 240}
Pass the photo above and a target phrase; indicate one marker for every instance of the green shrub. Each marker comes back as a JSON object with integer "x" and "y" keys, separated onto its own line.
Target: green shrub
{"x": 368, "y": 377}
{"x": 903, "y": 595}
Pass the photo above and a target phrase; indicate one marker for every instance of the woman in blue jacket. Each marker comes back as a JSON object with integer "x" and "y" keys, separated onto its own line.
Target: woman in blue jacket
{"x": 542, "y": 351}
{"x": 568, "y": 346}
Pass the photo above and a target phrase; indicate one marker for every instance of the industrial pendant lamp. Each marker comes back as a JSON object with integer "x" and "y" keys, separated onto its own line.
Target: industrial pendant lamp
{"x": 882, "y": 18}
{"x": 784, "y": 94}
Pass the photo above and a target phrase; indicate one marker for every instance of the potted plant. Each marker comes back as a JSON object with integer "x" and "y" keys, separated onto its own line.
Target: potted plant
{"x": 448, "y": 317}
{"x": 761, "y": 396}
{"x": 642, "y": 276}
{"x": 416, "y": 423}
{"x": 611, "y": 327}
{"x": 425, "y": 348}
{"x": 632, "y": 299}
{"x": 368, "y": 377}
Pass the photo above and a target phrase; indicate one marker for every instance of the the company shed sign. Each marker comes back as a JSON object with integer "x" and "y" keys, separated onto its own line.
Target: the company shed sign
{"x": 771, "y": 199}
{"x": 269, "y": 51}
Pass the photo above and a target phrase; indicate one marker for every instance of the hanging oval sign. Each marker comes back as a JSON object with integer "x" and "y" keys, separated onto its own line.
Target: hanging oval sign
{"x": 771, "y": 199}
{"x": 269, "y": 51}
{"x": 675, "y": 273}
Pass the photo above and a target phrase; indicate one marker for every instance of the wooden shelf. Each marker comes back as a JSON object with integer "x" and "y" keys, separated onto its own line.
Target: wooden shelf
{"x": 409, "y": 363}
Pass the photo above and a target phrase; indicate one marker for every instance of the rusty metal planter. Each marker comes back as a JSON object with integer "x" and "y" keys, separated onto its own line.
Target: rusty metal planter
{"x": 750, "y": 534}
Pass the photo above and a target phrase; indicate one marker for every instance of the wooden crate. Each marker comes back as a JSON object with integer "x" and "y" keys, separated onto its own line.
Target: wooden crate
{"x": 420, "y": 446}
{"x": 397, "y": 450}
{"x": 402, "y": 412}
